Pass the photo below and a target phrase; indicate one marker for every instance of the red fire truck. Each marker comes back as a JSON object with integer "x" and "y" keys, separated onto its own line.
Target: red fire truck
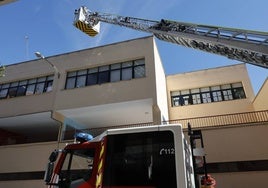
{"x": 140, "y": 157}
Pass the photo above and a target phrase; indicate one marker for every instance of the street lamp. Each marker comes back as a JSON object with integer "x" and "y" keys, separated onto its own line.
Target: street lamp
{"x": 2, "y": 70}
{"x": 40, "y": 56}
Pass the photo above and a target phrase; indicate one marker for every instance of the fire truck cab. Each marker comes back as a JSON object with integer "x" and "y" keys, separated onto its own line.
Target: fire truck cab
{"x": 140, "y": 157}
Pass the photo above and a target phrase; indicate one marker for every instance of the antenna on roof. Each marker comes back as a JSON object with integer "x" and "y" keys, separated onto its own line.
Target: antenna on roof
{"x": 26, "y": 47}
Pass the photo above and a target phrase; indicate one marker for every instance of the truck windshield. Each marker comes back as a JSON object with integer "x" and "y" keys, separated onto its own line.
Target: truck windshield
{"x": 77, "y": 167}
{"x": 141, "y": 160}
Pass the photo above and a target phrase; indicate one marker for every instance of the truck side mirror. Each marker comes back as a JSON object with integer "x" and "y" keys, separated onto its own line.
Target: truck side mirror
{"x": 53, "y": 156}
{"x": 49, "y": 171}
{"x": 50, "y": 166}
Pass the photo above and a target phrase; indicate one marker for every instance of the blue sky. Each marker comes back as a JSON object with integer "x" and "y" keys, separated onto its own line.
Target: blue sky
{"x": 28, "y": 26}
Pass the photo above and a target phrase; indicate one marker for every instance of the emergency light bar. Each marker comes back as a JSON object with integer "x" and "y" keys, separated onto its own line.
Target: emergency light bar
{"x": 83, "y": 137}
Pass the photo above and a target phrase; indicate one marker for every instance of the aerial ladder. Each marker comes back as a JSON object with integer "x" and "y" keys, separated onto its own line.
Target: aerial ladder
{"x": 238, "y": 44}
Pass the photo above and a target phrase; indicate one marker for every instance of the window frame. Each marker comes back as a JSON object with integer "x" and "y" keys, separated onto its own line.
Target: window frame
{"x": 218, "y": 93}
{"x": 21, "y": 87}
{"x": 104, "y": 74}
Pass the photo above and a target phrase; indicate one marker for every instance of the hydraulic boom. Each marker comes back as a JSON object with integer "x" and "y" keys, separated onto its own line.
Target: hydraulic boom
{"x": 242, "y": 45}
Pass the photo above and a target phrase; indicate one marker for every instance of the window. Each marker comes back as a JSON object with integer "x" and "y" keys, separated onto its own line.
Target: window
{"x": 115, "y": 75}
{"x": 70, "y": 82}
{"x": 127, "y": 71}
{"x": 4, "y": 91}
{"x": 31, "y": 87}
{"x": 77, "y": 167}
{"x": 26, "y": 87}
{"x": 139, "y": 68}
{"x": 208, "y": 94}
{"x": 92, "y": 77}
{"x": 216, "y": 93}
{"x": 227, "y": 92}
{"x": 81, "y": 78}
{"x": 205, "y": 93}
{"x": 22, "y": 88}
{"x": 103, "y": 74}
{"x": 238, "y": 91}
{"x": 140, "y": 160}
{"x": 196, "y": 98}
{"x": 12, "y": 92}
{"x": 40, "y": 88}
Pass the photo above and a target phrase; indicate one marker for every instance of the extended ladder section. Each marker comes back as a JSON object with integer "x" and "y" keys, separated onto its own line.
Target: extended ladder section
{"x": 242, "y": 45}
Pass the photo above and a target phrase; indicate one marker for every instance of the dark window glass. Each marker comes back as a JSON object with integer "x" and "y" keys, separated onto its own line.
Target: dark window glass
{"x": 12, "y": 92}
{"x": 104, "y": 74}
{"x": 26, "y": 87}
{"x": 103, "y": 77}
{"x": 21, "y": 91}
{"x": 108, "y": 73}
{"x": 208, "y": 94}
{"x": 239, "y": 93}
{"x": 143, "y": 159}
{"x": 92, "y": 79}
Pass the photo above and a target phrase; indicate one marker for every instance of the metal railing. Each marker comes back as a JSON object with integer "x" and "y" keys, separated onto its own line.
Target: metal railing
{"x": 245, "y": 118}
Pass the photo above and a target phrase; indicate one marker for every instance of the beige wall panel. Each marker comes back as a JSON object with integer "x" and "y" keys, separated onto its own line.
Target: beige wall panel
{"x": 236, "y": 144}
{"x": 210, "y": 109}
{"x": 26, "y": 157}
{"x": 23, "y": 184}
{"x": 135, "y": 89}
{"x": 241, "y": 180}
{"x": 26, "y": 104}
{"x": 104, "y": 94}
{"x": 211, "y": 77}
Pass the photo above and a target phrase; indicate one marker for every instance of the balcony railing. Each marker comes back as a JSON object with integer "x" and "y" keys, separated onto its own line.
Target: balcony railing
{"x": 246, "y": 118}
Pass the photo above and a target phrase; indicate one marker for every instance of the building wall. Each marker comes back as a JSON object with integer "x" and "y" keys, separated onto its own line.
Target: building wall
{"x": 241, "y": 143}
{"x": 161, "y": 85}
{"x": 26, "y": 104}
{"x": 238, "y": 154}
{"x": 205, "y": 78}
{"x": 261, "y": 100}
{"x": 222, "y": 144}
{"x": 141, "y": 88}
